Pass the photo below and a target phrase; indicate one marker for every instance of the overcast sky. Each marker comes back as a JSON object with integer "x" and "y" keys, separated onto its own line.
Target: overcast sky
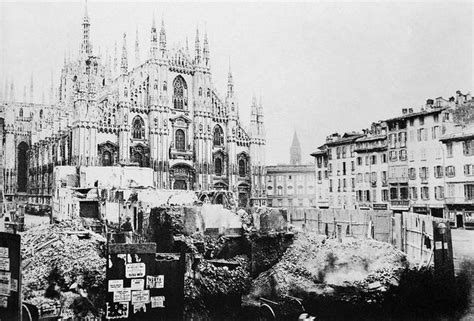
{"x": 319, "y": 67}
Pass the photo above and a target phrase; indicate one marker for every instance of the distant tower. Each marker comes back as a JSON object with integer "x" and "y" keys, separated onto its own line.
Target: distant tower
{"x": 295, "y": 151}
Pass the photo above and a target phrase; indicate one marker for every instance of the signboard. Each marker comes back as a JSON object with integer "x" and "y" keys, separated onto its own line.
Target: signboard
{"x": 10, "y": 285}
{"x": 143, "y": 285}
{"x": 379, "y": 207}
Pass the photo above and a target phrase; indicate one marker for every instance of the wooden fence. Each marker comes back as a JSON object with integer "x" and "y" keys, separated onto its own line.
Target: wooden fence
{"x": 411, "y": 233}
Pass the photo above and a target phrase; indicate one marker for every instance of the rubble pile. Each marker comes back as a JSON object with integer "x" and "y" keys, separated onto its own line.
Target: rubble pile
{"x": 62, "y": 255}
{"x": 348, "y": 270}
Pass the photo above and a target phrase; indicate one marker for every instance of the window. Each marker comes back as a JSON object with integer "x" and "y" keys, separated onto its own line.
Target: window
{"x": 435, "y": 132}
{"x": 180, "y": 139}
{"x": 422, "y": 120}
{"x": 384, "y": 195}
{"x": 359, "y": 161}
{"x": 360, "y": 178}
{"x": 393, "y": 193}
{"x": 330, "y": 185}
{"x": 393, "y": 155}
{"x": 165, "y": 86}
{"x": 320, "y": 176}
{"x": 200, "y": 91}
{"x": 21, "y": 112}
{"x": 326, "y": 174}
{"x": 450, "y": 171}
{"x": 420, "y": 134}
{"x": 384, "y": 178}
{"x": 338, "y": 152}
{"x": 366, "y": 177}
{"x": 242, "y": 168}
{"x": 319, "y": 162}
{"x": 352, "y": 166}
{"x": 413, "y": 193}
{"x": 404, "y": 193}
{"x": 469, "y": 192}
{"x": 218, "y": 166}
{"x": 436, "y": 118}
{"x": 468, "y": 147}
{"x": 439, "y": 192}
{"x": 468, "y": 169}
{"x": 343, "y": 168}
{"x": 425, "y": 193}
{"x": 445, "y": 116}
{"x": 424, "y": 173}
{"x": 412, "y": 122}
{"x": 403, "y": 155}
{"x": 330, "y": 169}
{"x": 180, "y": 99}
{"x": 438, "y": 171}
{"x": 412, "y": 173}
{"x": 218, "y": 136}
{"x": 343, "y": 148}
{"x": 138, "y": 128}
{"x": 352, "y": 150}
{"x": 384, "y": 157}
{"x": 449, "y": 149}
{"x": 353, "y": 185}
{"x": 373, "y": 160}
{"x": 373, "y": 178}
{"x": 402, "y": 138}
{"x": 106, "y": 159}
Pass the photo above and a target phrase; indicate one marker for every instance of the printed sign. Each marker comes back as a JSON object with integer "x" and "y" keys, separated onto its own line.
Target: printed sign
{"x": 115, "y": 285}
{"x": 140, "y": 296}
{"x": 137, "y": 284}
{"x": 122, "y": 295}
{"x": 139, "y": 308}
{"x": 3, "y": 251}
{"x": 3, "y": 302}
{"x": 155, "y": 282}
{"x": 157, "y": 302}
{"x": 4, "y": 264}
{"x": 134, "y": 270}
{"x": 5, "y": 287}
{"x": 117, "y": 310}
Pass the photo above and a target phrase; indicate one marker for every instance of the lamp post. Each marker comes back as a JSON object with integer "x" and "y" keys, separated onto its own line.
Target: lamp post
{"x": 442, "y": 228}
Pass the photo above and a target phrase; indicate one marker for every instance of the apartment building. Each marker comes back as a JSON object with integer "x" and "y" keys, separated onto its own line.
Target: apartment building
{"x": 341, "y": 157}
{"x": 371, "y": 168}
{"x": 458, "y": 155}
{"x": 322, "y": 177}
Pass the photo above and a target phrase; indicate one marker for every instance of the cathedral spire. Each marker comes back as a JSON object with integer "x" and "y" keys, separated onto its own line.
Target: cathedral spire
{"x": 51, "y": 90}
{"x": 295, "y": 151}
{"x": 24, "y": 94}
{"x": 205, "y": 50}
{"x": 124, "y": 61}
{"x": 137, "y": 49}
{"x": 115, "y": 59}
{"x": 86, "y": 46}
{"x": 197, "y": 47}
{"x": 153, "y": 40}
{"x": 31, "y": 89}
{"x": 230, "y": 82}
{"x": 162, "y": 38}
{"x": 12, "y": 91}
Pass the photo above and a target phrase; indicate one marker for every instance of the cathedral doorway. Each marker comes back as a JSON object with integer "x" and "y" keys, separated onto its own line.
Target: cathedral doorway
{"x": 179, "y": 184}
{"x": 22, "y": 167}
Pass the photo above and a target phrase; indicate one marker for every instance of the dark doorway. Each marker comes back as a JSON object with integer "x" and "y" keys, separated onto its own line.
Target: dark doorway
{"x": 459, "y": 221}
{"x": 179, "y": 184}
{"x": 437, "y": 212}
{"x": 22, "y": 167}
{"x": 219, "y": 199}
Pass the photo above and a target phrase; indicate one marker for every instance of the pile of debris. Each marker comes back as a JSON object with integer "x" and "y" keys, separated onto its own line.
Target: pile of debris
{"x": 350, "y": 270}
{"x": 59, "y": 258}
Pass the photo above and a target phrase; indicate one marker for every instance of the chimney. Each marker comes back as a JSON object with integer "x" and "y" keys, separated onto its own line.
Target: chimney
{"x": 410, "y": 110}
{"x": 404, "y": 111}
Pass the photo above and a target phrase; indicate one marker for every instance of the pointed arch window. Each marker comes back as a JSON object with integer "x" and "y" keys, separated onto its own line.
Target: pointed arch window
{"x": 106, "y": 159}
{"x": 218, "y": 166}
{"x": 180, "y": 139}
{"x": 138, "y": 128}
{"x": 180, "y": 93}
{"x": 218, "y": 136}
{"x": 242, "y": 168}
{"x": 21, "y": 112}
{"x": 200, "y": 91}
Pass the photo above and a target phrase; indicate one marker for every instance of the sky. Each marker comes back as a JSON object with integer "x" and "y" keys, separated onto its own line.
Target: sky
{"x": 319, "y": 67}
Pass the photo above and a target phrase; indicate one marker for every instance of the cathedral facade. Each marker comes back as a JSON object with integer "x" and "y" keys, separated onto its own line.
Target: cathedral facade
{"x": 164, "y": 113}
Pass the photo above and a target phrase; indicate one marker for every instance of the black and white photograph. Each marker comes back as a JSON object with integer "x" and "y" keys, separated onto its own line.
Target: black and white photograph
{"x": 236, "y": 160}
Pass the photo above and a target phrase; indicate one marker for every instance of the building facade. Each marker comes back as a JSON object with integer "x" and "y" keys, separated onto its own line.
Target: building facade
{"x": 418, "y": 162}
{"x": 291, "y": 185}
{"x": 164, "y": 113}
